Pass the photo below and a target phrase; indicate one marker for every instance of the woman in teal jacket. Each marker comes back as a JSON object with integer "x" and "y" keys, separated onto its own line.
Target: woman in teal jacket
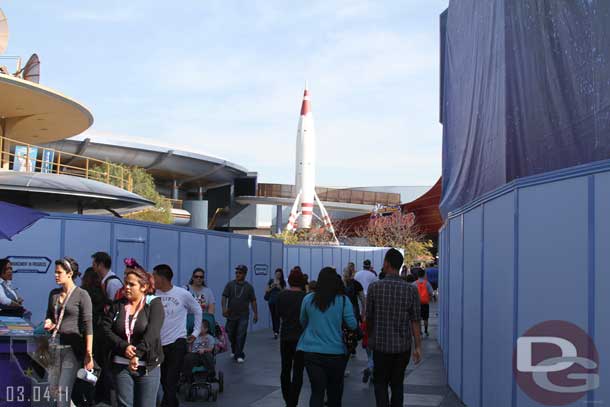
{"x": 322, "y": 315}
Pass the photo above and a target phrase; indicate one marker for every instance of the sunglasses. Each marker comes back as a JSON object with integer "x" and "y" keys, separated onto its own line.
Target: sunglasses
{"x": 197, "y": 276}
{"x": 240, "y": 272}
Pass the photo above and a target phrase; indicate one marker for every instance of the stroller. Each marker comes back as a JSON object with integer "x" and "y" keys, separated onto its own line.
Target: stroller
{"x": 203, "y": 386}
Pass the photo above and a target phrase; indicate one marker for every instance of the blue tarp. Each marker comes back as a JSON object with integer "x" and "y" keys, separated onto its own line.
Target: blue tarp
{"x": 525, "y": 90}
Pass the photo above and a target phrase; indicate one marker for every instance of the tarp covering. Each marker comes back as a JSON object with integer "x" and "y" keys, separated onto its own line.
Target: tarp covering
{"x": 526, "y": 90}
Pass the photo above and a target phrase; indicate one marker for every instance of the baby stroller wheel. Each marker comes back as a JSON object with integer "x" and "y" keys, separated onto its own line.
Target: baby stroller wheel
{"x": 221, "y": 382}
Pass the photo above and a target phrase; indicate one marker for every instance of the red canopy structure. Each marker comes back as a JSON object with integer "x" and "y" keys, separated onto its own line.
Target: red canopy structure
{"x": 425, "y": 208}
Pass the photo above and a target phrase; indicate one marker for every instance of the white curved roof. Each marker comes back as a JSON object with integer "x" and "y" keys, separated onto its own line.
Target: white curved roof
{"x": 165, "y": 163}
{"x": 37, "y": 186}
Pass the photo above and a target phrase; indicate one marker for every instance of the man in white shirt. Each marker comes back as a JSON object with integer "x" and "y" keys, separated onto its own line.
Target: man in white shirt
{"x": 111, "y": 283}
{"x": 177, "y": 303}
{"x": 366, "y": 277}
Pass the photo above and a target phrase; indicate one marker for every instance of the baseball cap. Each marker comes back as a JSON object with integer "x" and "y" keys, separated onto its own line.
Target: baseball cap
{"x": 241, "y": 267}
{"x": 367, "y": 262}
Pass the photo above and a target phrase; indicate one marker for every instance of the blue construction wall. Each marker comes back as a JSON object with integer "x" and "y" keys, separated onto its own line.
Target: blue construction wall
{"x": 535, "y": 250}
{"x": 180, "y": 247}
{"x": 313, "y": 258}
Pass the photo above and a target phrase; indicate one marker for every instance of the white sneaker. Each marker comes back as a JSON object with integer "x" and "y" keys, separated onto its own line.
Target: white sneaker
{"x": 233, "y": 355}
{"x": 240, "y": 360}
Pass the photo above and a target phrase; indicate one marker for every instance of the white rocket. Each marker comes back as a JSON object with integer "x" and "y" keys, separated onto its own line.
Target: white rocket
{"x": 305, "y": 177}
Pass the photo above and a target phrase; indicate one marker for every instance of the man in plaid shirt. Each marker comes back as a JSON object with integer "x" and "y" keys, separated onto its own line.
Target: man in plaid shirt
{"x": 392, "y": 317}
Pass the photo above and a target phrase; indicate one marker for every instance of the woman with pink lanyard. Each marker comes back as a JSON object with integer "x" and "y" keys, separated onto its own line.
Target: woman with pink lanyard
{"x": 70, "y": 322}
{"x": 133, "y": 331}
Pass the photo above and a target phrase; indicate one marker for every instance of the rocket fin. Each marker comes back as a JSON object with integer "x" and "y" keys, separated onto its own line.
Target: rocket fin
{"x": 326, "y": 218}
{"x": 294, "y": 215}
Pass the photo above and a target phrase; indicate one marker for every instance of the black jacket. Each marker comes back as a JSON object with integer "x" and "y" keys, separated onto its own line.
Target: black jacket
{"x": 147, "y": 331}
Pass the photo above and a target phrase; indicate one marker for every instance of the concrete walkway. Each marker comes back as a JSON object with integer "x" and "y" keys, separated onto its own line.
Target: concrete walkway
{"x": 256, "y": 383}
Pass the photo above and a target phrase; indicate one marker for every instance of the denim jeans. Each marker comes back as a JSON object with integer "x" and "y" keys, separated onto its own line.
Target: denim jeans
{"x": 326, "y": 376}
{"x": 62, "y": 373}
{"x": 390, "y": 371}
{"x": 292, "y": 372}
{"x": 237, "y": 330}
{"x": 369, "y": 355}
{"x": 136, "y": 389}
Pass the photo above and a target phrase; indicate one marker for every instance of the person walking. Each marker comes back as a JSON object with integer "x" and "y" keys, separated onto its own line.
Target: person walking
{"x": 237, "y": 297}
{"x": 69, "y": 320}
{"x": 84, "y": 393}
{"x": 201, "y": 292}
{"x": 111, "y": 286}
{"x": 355, "y": 292}
{"x": 351, "y": 266}
{"x": 133, "y": 330}
{"x": 424, "y": 288}
{"x": 177, "y": 304}
{"x": 289, "y": 308}
{"x": 274, "y": 287}
{"x": 392, "y": 316}
{"x": 323, "y": 315}
{"x": 366, "y": 276}
{"x": 111, "y": 283}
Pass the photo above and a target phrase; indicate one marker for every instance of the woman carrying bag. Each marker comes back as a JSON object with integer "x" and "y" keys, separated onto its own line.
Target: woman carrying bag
{"x": 326, "y": 316}
{"x": 69, "y": 320}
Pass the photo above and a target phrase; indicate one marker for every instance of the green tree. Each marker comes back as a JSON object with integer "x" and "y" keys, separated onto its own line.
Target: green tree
{"x": 287, "y": 237}
{"x": 143, "y": 185}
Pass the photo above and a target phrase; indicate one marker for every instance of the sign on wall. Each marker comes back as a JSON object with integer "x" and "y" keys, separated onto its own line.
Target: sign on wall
{"x": 27, "y": 264}
{"x": 261, "y": 269}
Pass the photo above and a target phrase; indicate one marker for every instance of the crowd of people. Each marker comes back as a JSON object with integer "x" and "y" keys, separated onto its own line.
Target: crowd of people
{"x": 141, "y": 333}
{"x": 130, "y": 333}
{"x": 321, "y": 323}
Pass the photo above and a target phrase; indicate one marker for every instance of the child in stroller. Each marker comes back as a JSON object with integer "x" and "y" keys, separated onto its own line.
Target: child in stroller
{"x": 199, "y": 367}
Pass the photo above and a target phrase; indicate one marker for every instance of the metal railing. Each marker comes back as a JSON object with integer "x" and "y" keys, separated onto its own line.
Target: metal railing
{"x": 50, "y": 162}
{"x": 347, "y": 195}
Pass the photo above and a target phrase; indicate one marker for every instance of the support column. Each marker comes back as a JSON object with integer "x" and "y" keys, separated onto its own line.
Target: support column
{"x": 175, "y": 191}
{"x": 200, "y": 193}
{"x": 278, "y": 219}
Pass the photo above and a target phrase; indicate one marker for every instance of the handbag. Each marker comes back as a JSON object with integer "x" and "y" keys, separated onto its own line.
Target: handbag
{"x": 350, "y": 336}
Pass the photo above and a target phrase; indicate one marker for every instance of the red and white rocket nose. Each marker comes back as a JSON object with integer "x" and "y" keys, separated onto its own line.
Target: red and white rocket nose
{"x": 306, "y": 106}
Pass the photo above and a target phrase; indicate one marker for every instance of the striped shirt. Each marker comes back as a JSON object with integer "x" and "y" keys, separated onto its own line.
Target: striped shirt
{"x": 391, "y": 305}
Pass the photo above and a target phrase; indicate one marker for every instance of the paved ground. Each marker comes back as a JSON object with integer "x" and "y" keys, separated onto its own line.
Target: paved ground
{"x": 256, "y": 382}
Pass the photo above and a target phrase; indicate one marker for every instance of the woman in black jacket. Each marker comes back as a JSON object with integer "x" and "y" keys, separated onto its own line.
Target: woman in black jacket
{"x": 274, "y": 287}
{"x": 133, "y": 331}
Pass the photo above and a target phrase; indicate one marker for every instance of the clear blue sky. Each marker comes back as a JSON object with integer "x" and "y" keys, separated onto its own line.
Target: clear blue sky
{"x": 226, "y": 78}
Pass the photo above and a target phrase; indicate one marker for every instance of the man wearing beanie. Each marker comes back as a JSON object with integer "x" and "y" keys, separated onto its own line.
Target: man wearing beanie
{"x": 289, "y": 307}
